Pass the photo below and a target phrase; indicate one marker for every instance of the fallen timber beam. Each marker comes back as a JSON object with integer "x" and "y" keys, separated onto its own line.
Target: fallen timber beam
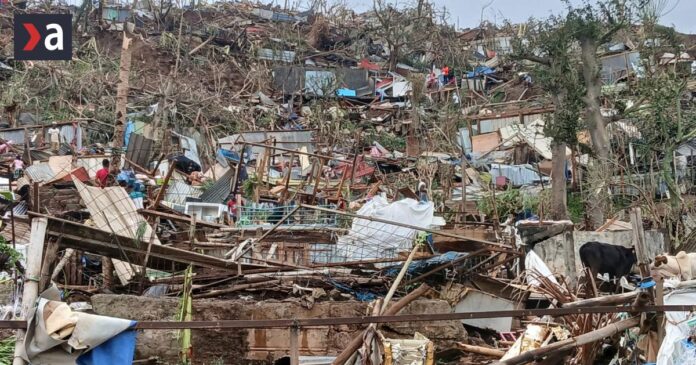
{"x": 605, "y": 300}
{"x": 571, "y": 343}
{"x": 481, "y": 350}
{"x": 492, "y": 245}
{"x": 79, "y": 236}
{"x": 336, "y": 321}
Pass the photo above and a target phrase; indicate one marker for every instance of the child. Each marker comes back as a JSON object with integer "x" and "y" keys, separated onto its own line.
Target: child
{"x": 18, "y": 167}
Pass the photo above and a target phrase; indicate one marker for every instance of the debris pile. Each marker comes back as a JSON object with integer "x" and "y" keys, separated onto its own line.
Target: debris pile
{"x": 248, "y": 183}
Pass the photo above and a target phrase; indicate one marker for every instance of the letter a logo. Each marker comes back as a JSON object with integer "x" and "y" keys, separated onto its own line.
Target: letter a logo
{"x": 42, "y": 37}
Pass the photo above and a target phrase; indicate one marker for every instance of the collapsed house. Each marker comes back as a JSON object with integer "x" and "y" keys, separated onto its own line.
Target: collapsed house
{"x": 292, "y": 207}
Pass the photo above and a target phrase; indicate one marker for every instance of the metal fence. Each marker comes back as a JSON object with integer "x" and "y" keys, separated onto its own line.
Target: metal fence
{"x": 258, "y": 215}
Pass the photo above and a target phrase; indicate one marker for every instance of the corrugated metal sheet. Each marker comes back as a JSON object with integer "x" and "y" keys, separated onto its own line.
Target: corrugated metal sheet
{"x": 189, "y": 146}
{"x": 465, "y": 140}
{"x": 139, "y": 150}
{"x": 517, "y": 174}
{"x": 291, "y": 79}
{"x": 285, "y": 139}
{"x": 67, "y": 134}
{"x": 220, "y": 190}
{"x": 492, "y": 125}
{"x": 178, "y": 190}
{"x": 275, "y": 55}
{"x": 40, "y": 172}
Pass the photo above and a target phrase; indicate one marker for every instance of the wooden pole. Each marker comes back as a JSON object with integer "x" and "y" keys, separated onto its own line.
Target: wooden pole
{"x": 122, "y": 89}
{"x": 238, "y": 170}
{"x": 49, "y": 257}
{"x": 605, "y": 300}
{"x": 571, "y": 343}
{"x": 639, "y": 241}
{"x": 192, "y": 230}
{"x": 397, "y": 281}
{"x": 31, "y": 278}
{"x": 294, "y": 345}
{"x": 660, "y": 300}
{"x": 165, "y": 183}
{"x": 481, "y": 350}
{"x": 61, "y": 264}
{"x": 35, "y": 194}
{"x": 354, "y": 345}
{"x": 465, "y": 182}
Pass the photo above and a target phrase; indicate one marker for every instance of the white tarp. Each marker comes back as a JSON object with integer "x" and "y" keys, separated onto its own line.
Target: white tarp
{"x": 676, "y": 328}
{"x": 57, "y": 335}
{"x": 373, "y": 240}
{"x": 535, "y": 264}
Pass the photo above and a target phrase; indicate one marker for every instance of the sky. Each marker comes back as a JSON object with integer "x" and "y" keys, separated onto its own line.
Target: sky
{"x": 677, "y": 13}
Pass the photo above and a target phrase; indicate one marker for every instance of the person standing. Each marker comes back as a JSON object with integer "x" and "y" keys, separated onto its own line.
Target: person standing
{"x": 18, "y": 167}
{"x": 103, "y": 174}
{"x": 54, "y": 137}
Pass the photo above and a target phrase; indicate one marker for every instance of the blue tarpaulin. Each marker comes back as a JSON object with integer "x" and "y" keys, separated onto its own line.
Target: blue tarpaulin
{"x": 230, "y": 155}
{"x": 421, "y": 266}
{"x": 130, "y": 128}
{"x": 118, "y": 350}
{"x": 480, "y": 71}
{"x": 363, "y": 296}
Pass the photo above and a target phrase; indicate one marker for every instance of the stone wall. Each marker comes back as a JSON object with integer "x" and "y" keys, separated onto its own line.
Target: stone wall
{"x": 262, "y": 346}
{"x": 552, "y": 252}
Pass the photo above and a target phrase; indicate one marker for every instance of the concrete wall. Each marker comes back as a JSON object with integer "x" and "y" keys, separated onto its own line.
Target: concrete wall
{"x": 262, "y": 346}
{"x": 551, "y": 250}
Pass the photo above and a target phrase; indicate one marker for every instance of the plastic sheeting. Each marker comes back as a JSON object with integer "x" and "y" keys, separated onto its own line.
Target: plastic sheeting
{"x": 422, "y": 266}
{"x": 534, "y": 263}
{"x": 678, "y": 325}
{"x": 56, "y": 335}
{"x": 375, "y": 240}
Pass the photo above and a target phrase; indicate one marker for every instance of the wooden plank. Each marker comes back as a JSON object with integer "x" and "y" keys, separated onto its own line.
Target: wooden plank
{"x": 81, "y": 237}
{"x": 485, "y": 142}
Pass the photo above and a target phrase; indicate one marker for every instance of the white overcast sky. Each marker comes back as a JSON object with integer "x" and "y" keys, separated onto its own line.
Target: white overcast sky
{"x": 467, "y": 13}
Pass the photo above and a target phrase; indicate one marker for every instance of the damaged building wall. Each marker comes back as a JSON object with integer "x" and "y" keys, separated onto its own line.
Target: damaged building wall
{"x": 551, "y": 250}
{"x": 240, "y": 346}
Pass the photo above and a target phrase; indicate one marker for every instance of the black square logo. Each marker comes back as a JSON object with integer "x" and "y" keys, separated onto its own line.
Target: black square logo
{"x": 42, "y": 37}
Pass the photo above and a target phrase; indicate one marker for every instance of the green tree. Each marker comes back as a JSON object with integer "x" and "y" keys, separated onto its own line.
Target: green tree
{"x": 548, "y": 44}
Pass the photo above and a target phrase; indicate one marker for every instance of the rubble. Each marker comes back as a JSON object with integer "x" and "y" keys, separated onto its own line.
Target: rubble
{"x": 247, "y": 183}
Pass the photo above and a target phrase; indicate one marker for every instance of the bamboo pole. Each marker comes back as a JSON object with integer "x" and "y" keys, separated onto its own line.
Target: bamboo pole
{"x": 571, "y": 343}
{"x": 31, "y": 278}
{"x": 354, "y": 345}
{"x": 480, "y": 350}
{"x": 165, "y": 183}
{"x": 606, "y": 300}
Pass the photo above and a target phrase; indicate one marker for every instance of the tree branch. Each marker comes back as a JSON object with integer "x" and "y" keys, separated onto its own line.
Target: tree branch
{"x": 534, "y": 58}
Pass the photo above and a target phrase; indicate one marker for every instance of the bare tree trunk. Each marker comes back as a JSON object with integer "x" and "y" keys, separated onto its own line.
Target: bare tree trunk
{"x": 596, "y": 124}
{"x": 121, "y": 101}
{"x": 559, "y": 198}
